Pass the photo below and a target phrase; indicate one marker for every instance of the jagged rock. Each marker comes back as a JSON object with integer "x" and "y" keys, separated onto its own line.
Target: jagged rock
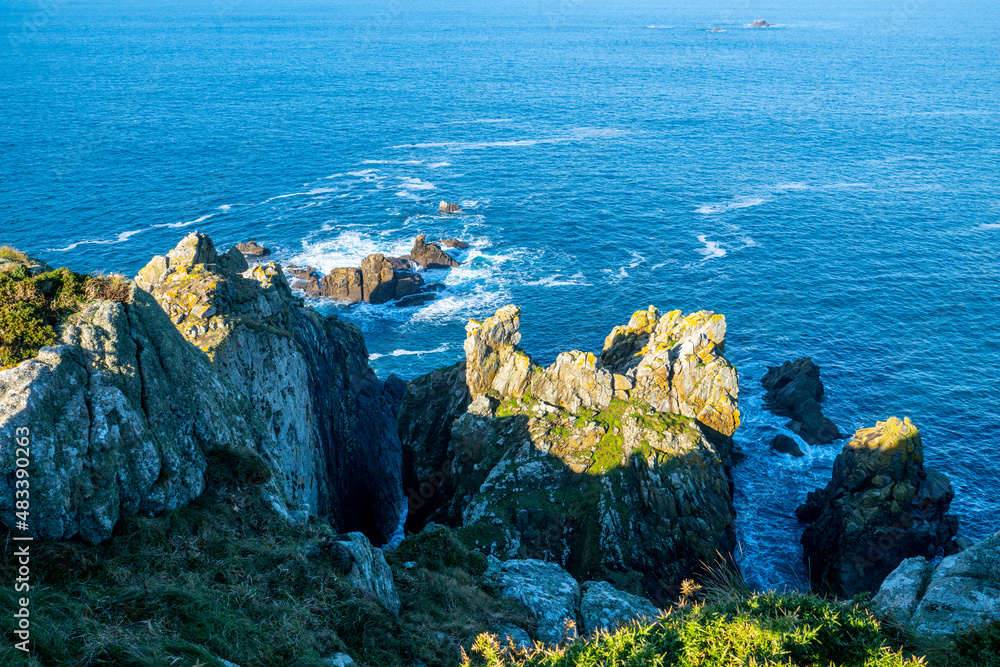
{"x": 306, "y": 278}
{"x": 604, "y": 607}
{"x": 794, "y": 390}
{"x": 548, "y": 591}
{"x": 962, "y": 593}
{"x": 370, "y": 571}
{"x": 761, "y": 23}
{"x": 576, "y": 460}
{"x": 330, "y": 425}
{"x": 511, "y": 635}
{"x": 455, "y": 243}
{"x": 414, "y": 300}
{"x": 122, "y": 415}
{"x": 386, "y": 278}
{"x": 251, "y": 249}
{"x": 430, "y": 255}
{"x": 881, "y": 507}
{"x": 446, "y": 207}
{"x": 785, "y": 445}
{"x": 343, "y": 284}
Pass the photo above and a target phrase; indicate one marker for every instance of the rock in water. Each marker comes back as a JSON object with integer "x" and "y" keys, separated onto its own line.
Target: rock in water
{"x": 330, "y": 425}
{"x": 761, "y": 23}
{"x": 881, "y": 507}
{"x": 604, "y": 607}
{"x": 785, "y": 445}
{"x": 122, "y": 414}
{"x": 455, "y": 243}
{"x": 446, "y": 207}
{"x": 600, "y": 464}
{"x": 962, "y": 593}
{"x": 251, "y": 249}
{"x": 794, "y": 390}
{"x": 430, "y": 255}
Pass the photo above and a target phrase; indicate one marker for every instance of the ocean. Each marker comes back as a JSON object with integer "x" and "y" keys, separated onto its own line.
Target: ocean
{"x": 829, "y": 183}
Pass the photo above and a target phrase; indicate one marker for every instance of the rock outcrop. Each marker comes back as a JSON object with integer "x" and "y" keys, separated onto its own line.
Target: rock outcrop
{"x": 122, "y": 415}
{"x": 761, "y": 23}
{"x": 430, "y": 255}
{"x": 881, "y": 507}
{"x": 252, "y": 249}
{"x": 545, "y": 589}
{"x": 604, "y": 607}
{"x": 369, "y": 571}
{"x": 447, "y": 207}
{"x": 616, "y": 463}
{"x": 455, "y": 243}
{"x": 962, "y": 593}
{"x": 306, "y": 278}
{"x": 785, "y": 445}
{"x": 380, "y": 279}
{"x": 330, "y": 424}
{"x": 795, "y": 390}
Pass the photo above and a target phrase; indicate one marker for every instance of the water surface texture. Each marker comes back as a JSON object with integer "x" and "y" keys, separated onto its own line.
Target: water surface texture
{"x": 830, "y": 183}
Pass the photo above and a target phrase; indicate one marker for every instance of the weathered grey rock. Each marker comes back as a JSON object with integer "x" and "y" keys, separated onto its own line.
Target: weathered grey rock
{"x": 573, "y": 382}
{"x": 761, "y": 23}
{"x": 329, "y": 424}
{"x": 121, "y": 414}
{"x": 785, "y": 445}
{"x": 511, "y": 635}
{"x": 795, "y": 390}
{"x": 446, "y": 207}
{"x": 604, "y": 607}
{"x": 902, "y": 590}
{"x": 548, "y": 591}
{"x": 339, "y": 660}
{"x": 455, "y": 243}
{"x": 494, "y": 362}
{"x": 252, "y": 249}
{"x": 881, "y": 507}
{"x": 370, "y": 571}
{"x": 430, "y": 255}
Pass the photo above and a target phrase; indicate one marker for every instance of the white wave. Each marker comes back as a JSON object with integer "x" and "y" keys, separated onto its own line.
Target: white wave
{"x": 712, "y": 249}
{"x": 791, "y": 186}
{"x": 437, "y": 165}
{"x": 174, "y": 225}
{"x": 577, "y": 279}
{"x": 616, "y": 277}
{"x": 637, "y": 259}
{"x": 577, "y": 134}
{"x": 660, "y": 27}
{"x": 225, "y": 207}
{"x": 990, "y": 225}
{"x": 392, "y": 162}
{"x": 314, "y": 191}
{"x": 735, "y": 205}
{"x": 121, "y": 238}
{"x": 347, "y": 249}
{"x": 487, "y": 121}
{"x": 414, "y": 184}
{"x": 410, "y": 195}
{"x": 748, "y": 242}
{"x": 364, "y": 173}
{"x": 406, "y": 353}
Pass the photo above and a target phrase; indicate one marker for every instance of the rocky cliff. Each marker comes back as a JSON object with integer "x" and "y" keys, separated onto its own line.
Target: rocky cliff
{"x": 881, "y": 506}
{"x": 613, "y": 466}
{"x": 330, "y": 425}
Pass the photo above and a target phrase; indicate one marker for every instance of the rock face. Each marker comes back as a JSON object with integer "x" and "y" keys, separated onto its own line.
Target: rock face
{"x": 251, "y": 249}
{"x": 961, "y": 593}
{"x": 446, "y": 207}
{"x": 795, "y": 390}
{"x": 369, "y": 571}
{"x": 545, "y": 589}
{"x": 881, "y": 507}
{"x": 604, "y": 607}
{"x": 379, "y": 280}
{"x": 609, "y": 464}
{"x": 122, "y": 415}
{"x": 430, "y": 255}
{"x": 330, "y": 423}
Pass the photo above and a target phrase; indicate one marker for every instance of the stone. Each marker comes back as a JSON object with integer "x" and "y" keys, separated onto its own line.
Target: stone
{"x": 785, "y": 445}
{"x": 511, "y": 635}
{"x": 881, "y": 507}
{"x": 795, "y": 390}
{"x": 339, "y": 660}
{"x": 252, "y": 249}
{"x": 547, "y": 591}
{"x": 604, "y": 607}
{"x": 446, "y": 207}
{"x": 430, "y": 255}
{"x": 494, "y": 361}
{"x": 385, "y": 279}
{"x": 455, "y": 243}
{"x": 761, "y": 23}
{"x": 343, "y": 284}
{"x": 414, "y": 300}
{"x": 574, "y": 382}
{"x": 370, "y": 571}
{"x": 900, "y": 593}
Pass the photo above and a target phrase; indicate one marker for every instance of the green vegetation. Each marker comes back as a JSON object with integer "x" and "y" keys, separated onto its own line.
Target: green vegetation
{"x": 226, "y": 579}
{"x": 33, "y": 306}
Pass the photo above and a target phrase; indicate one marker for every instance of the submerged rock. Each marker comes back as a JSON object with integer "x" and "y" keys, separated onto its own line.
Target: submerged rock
{"x": 430, "y": 255}
{"x": 455, "y": 243}
{"x": 785, "y": 445}
{"x": 330, "y": 424}
{"x": 251, "y": 249}
{"x": 598, "y": 464}
{"x": 881, "y": 507}
{"x": 447, "y": 207}
{"x": 795, "y": 390}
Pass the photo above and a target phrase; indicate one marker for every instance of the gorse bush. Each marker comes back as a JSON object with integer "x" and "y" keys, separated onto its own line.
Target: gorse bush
{"x": 766, "y": 629}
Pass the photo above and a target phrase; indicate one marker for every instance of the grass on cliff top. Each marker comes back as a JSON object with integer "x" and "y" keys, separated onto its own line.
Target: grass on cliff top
{"x": 33, "y": 306}
{"x": 226, "y": 579}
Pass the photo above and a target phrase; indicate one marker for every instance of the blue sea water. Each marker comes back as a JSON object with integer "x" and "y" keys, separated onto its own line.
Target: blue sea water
{"x": 830, "y": 183}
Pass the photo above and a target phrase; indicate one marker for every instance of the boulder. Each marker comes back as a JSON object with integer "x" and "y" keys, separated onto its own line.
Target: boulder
{"x": 251, "y": 249}
{"x": 881, "y": 507}
{"x": 761, "y": 23}
{"x": 370, "y": 571}
{"x": 785, "y": 445}
{"x": 604, "y": 607}
{"x": 794, "y": 390}
{"x": 599, "y": 464}
{"x": 962, "y": 593}
{"x": 430, "y": 255}
{"x": 343, "y": 284}
{"x": 546, "y": 590}
{"x": 330, "y": 428}
{"x": 446, "y": 207}
{"x": 511, "y": 635}
{"x": 455, "y": 243}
